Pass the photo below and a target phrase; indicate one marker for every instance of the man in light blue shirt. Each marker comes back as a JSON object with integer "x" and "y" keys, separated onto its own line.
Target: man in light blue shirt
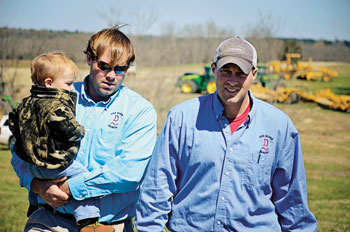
{"x": 120, "y": 133}
{"x": 226, "y": 161}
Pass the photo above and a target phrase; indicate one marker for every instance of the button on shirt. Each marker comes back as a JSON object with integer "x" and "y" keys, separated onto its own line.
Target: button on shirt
{"x": 119, "y": 139}
{"x": 202, "y": 178}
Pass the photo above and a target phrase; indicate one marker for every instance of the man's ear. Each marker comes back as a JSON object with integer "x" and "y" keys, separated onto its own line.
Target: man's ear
{"x": 213, "y": 67}
{"x": 89, "y": 59}
{"x": 48, "y": 82}
{"x": 255, "y": 73}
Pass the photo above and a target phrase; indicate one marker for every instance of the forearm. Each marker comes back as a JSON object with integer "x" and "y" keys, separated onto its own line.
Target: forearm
{"x": 159, "y": 184}
{"x": 108, "y": 179}
{"x": 290, "y": 192}
{"x": 125, "y": 164}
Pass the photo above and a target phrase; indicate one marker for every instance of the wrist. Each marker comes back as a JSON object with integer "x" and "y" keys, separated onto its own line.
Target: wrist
{"x": 34, "y": 185}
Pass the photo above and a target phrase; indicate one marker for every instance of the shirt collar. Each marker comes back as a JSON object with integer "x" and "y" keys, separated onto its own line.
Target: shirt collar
{"x": 252, "y": 112}
{"x": 219, "y": 108}
{"x": 87, "y": 98}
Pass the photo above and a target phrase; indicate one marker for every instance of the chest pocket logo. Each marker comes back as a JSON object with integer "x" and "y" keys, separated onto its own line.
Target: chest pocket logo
{"x": 115, "y": 119}
{"x": 258, "y": 172}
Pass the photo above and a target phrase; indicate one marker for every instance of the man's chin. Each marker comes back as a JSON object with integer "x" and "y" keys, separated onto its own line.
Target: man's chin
{"x": 107, "y": 92}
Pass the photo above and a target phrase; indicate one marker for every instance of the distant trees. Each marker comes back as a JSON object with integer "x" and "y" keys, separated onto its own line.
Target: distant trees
{"x": 194, "y": 43}
{"x": 26, "y": 44}
{"x": 289, "y": 46}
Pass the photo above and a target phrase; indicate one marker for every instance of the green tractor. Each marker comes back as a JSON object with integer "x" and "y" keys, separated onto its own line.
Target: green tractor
{"x": 267, "y": 79}
{"x": 196, "y": 83}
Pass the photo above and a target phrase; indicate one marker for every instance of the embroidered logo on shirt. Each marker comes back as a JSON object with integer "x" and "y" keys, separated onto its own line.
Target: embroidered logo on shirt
{"x": 115, "y": 119}
{"x": 265, "y": 148}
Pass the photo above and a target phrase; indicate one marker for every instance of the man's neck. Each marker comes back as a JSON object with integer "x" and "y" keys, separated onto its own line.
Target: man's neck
{"x": 233, "y": 111}
{"x": 93, "y": 94}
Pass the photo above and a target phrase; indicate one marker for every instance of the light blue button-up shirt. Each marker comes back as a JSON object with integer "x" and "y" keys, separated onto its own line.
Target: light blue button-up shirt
{"x": 202, "y": 178}
{"x": 119, "y": 138}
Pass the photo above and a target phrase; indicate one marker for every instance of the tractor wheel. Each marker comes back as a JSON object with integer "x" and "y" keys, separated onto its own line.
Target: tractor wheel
{"x": 275, "y": 84}
{"x": 293, "y": 98}
{"x": 189, "y": 86}
{"x": 327, "y": 78}
{"x": 287, "y": 75}
{"x": 211, "y": 86}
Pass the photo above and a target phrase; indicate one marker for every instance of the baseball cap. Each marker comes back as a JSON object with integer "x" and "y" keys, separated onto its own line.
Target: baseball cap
{"x": 237, "y": 51}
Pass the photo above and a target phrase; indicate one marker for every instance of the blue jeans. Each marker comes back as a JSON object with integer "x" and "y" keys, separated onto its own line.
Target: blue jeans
{"x": 84, "y": 209}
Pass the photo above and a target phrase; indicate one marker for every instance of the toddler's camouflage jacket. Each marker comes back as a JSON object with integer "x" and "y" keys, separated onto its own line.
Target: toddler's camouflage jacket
{"x": 45, "y": 128}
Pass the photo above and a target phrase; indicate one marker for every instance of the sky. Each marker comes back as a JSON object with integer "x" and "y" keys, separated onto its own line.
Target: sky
{"x": 302, "y": 19}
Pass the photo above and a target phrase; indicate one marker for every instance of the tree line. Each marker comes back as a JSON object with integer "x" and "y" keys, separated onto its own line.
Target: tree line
{"x": 167, "y": 49}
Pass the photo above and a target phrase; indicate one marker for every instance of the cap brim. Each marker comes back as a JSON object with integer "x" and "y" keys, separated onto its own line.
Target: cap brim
{"x": 242, "y": 63}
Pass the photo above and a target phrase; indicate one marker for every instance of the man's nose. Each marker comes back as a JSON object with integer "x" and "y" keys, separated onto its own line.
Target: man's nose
{"x": 111, "y": 76}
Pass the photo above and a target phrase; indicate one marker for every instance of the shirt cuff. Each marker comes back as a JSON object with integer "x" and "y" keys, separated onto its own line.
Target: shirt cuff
{"x": 77, "y": 187}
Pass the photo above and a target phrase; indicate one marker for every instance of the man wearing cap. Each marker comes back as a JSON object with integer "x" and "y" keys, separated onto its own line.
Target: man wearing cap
{"x": 226, "y": 161}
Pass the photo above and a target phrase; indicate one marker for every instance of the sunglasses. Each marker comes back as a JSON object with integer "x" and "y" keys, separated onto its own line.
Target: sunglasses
{"x": 118, "y": 70}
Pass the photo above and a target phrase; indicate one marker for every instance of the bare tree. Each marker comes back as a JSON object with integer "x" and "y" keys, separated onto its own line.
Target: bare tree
{"x": 142, "y": 20}
{"x": 263, "y": 35}
{"x": 112, "y": 17}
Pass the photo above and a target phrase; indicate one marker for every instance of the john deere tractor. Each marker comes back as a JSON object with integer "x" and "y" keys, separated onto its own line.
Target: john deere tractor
{"x": 196, "y": 83}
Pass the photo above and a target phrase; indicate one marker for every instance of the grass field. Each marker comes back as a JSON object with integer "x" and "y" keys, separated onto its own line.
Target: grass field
{"x": 325, "y": 136}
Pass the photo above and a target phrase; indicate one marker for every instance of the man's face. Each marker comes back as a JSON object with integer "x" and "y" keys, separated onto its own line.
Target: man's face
{"x": 103, "y": 84}
{"x": 232, "y": 83}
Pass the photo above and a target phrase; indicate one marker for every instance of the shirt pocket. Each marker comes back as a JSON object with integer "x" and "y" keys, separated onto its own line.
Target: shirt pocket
{"x": 107, "y": 144}
{"x": 259, "y": 165}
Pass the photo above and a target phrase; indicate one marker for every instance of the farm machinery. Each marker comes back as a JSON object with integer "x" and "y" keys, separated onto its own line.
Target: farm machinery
{"x": 268, "y": 87}
{"x": 327, "y": 99}
{"x": 292, "y": 67}
{"x": 194, "y": 82}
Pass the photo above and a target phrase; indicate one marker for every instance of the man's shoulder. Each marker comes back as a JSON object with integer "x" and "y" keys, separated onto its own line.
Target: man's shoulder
{"x": 133, "y": 98}
{"x": 186, "y": 105}
{"x": 270, "y": 113}
{"x": 192, "y": 105}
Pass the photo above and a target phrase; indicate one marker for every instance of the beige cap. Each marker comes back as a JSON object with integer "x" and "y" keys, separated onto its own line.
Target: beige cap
{"x": 237, "y": 51}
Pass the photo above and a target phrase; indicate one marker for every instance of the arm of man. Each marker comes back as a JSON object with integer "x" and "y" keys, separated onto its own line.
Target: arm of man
{"x": 123, "y": 172}
{"x": 289, "y": 188}
{"x": 159, "y": 184}
{"x": 47, "y": 190}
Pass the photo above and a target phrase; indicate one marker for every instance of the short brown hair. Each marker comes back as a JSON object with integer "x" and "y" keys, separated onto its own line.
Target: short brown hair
{"x": 121, "y": 48}
{"x": 50, "y": 65}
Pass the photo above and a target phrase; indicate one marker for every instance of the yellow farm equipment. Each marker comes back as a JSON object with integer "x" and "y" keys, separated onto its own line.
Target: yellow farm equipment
{"x": 280, "y": 94}
{"x": 324, "y": 97}
{"x": 327, "y": 99}
{"x": 292, "y": 67}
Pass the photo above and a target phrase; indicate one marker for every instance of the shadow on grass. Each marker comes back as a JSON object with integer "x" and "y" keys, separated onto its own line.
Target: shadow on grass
{"x": 342, "y": 90}
{"x": 4, "y": 148}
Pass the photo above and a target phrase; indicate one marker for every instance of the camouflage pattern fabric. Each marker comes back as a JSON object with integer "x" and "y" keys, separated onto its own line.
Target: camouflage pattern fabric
{"x": 45, "y": 128}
